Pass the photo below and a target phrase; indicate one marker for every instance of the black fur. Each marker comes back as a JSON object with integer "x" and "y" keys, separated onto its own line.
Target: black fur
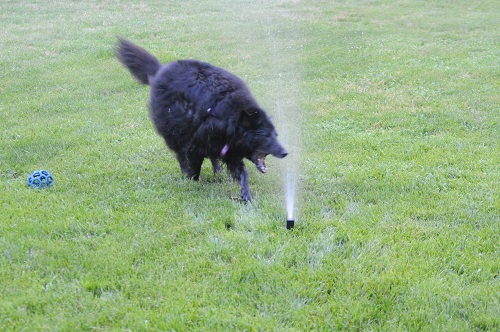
{"x": 203, "y": 111}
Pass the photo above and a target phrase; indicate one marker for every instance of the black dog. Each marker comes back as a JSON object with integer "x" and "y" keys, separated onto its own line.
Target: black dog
{"x": 203, "y": 111}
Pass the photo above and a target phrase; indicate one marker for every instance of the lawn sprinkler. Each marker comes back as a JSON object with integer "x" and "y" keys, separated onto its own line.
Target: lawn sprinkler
{"x": 40, "y": 179}
{"x": 290, "y": 185}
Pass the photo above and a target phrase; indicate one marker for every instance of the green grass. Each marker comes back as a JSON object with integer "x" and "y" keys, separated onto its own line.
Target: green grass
{"x": 390, "y": 110}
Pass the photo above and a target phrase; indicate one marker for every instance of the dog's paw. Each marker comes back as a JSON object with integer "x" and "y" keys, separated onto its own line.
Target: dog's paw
{"x": 245, "y": 196}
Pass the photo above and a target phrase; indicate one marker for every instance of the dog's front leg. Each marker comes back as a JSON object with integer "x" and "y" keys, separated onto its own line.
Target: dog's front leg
{"x": 239, "y": 172}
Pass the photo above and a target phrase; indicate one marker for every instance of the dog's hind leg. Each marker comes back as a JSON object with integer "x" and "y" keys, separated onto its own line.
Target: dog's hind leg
{"x": 190, "y": 166}
{"x": 239, "y": 172}
{"x": 183, "y": 163}
{"x": 216, "y": 167}
{"x": 194, "y": 166}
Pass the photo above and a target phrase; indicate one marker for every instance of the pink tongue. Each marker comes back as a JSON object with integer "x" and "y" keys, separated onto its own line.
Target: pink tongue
{"x": 262, "y": 165}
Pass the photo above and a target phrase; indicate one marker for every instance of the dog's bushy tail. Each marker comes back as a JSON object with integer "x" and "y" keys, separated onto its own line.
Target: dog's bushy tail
{"x": 139, "y": 62}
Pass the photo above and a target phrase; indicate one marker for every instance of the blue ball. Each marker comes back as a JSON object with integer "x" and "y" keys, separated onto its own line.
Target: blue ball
{"x": 40, "y": 179}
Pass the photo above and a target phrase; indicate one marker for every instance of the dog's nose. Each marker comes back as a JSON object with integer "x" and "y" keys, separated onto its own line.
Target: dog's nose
{"x": 279, "y": 152}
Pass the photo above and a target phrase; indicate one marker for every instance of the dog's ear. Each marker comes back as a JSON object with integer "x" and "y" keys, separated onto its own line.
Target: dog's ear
{"x": 251, "y": 111}
{"x": 249, "y": 117}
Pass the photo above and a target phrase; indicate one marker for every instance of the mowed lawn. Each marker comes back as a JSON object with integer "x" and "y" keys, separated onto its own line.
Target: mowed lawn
{"x": 390, "y": 112}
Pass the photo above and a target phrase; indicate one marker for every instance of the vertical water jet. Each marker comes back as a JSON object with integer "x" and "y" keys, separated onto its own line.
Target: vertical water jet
{"x": 290, "y": 187}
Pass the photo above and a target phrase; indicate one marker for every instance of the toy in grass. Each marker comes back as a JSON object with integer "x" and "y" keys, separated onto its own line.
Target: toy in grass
{"x": 40, "y": 179}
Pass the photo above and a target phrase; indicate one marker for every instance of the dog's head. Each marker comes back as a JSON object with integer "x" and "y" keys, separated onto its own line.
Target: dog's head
{"x": 260, "y": 138}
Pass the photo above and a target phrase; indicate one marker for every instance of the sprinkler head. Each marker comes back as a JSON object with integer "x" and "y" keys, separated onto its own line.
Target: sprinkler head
{"x": 290, "y": 222}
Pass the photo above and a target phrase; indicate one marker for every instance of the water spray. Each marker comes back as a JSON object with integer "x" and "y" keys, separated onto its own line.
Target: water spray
{"x": 287, "y": 89}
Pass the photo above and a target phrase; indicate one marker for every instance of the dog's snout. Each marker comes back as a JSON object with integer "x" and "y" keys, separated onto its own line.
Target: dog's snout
{"x": 282, "y": 153}
{"x": 278, "y": 151}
